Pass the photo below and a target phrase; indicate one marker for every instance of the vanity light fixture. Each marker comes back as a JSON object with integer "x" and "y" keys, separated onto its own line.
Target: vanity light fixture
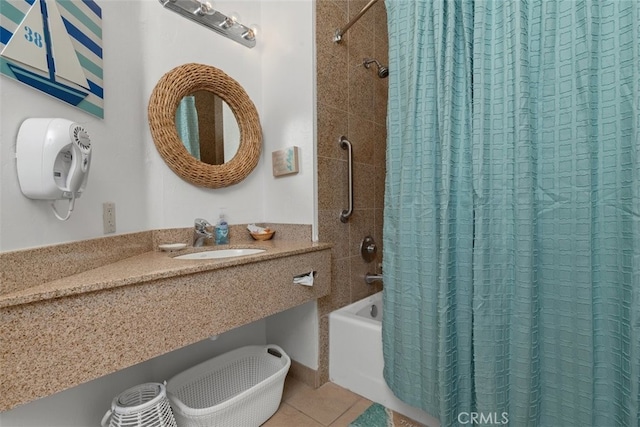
{"x": 202, "y": 12}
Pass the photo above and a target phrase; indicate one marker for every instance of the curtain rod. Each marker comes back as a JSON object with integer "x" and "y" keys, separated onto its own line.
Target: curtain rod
{"x": 337, "y": 37}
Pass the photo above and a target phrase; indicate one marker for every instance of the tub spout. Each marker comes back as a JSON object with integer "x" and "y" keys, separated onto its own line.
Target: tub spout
{"x": 370, "y": 278}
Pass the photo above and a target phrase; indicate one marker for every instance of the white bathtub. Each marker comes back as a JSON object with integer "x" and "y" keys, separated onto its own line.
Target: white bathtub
{"x": 355, "y": 356}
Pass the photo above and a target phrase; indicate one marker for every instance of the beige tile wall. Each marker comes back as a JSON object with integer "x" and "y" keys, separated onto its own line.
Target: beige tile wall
{"x": 352, "y": 101}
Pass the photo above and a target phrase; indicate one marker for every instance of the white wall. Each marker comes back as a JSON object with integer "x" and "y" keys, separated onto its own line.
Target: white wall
{"x": 288, "y": 117}
{"x": 295, "y": 331}
{"x": 141, "y": 42}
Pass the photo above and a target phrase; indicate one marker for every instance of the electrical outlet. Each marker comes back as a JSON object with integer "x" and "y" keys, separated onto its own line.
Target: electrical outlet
{"x": 109, "y": 217}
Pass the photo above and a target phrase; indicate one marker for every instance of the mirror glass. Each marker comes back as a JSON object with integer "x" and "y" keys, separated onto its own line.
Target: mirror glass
{"x": 207, "y": 127}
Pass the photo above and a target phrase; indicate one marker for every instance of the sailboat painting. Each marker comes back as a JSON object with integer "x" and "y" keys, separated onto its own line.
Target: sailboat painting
{"x": 55, "y": 46}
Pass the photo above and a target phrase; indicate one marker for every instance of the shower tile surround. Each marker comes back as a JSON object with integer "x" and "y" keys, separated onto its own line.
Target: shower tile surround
{"x": 105, "y": 304}
{"x": 352, "y": 101}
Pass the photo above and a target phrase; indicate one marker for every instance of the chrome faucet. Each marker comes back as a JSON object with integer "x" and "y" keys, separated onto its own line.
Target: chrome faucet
{"x": 200, "y": 233}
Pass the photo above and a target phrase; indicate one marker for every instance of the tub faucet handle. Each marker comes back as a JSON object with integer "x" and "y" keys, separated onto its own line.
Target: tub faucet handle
{"x": 368, "y": 249}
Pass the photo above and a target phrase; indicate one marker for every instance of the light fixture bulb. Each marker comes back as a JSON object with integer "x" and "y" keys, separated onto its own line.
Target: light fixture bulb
{"x": 230, "y": 21}
{"x": 249, "y": 35}
{"x": 227, "y": 23}
{"x": 253, "y": 30}
{"x": 235, "y": 17}
{"x": 205, "y": 8}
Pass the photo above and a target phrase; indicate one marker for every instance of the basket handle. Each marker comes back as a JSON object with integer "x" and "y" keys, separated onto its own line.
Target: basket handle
{"x": 106, "y": 418}
{"x": 272, "y": 351}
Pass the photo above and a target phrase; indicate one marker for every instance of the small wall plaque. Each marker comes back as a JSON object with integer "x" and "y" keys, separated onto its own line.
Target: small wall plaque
{"x": 285, "y": 162}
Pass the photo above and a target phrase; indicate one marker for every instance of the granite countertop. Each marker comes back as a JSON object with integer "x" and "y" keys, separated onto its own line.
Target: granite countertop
{"x": 150, "y": 266}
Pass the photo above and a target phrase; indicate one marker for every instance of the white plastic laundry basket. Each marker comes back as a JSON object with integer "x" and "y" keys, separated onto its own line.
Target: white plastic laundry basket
{"x": 241, "y": 388}
{"x": 145, "y": 405}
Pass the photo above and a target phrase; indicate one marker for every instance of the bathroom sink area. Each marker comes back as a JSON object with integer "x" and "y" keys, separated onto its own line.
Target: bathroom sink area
{"x": 220, "y": 253}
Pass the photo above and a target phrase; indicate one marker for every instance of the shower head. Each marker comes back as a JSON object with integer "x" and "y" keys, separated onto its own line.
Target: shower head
{"x": 383, "y": 72}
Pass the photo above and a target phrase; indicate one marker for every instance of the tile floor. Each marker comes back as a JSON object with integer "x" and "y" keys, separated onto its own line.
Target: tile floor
{"x": 327, "y": 406}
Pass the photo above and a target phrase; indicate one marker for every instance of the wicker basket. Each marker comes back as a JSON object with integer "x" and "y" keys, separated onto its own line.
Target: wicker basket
{"x": 239, "y": 388}
{"x": 145, "y": 405}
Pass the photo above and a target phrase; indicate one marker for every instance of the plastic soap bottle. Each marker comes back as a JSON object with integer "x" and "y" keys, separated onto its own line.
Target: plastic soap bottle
{"x": 222, "y": 231}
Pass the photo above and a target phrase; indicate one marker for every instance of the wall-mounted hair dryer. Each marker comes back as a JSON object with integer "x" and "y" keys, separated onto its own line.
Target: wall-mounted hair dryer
{"x": 53, "y": 160}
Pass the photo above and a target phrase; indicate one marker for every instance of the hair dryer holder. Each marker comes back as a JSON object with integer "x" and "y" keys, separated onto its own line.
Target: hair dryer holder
{"x": 53, "y": 159}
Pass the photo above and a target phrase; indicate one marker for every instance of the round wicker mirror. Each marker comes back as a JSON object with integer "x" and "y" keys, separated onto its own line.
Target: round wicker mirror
{"x": 163, "y": 104}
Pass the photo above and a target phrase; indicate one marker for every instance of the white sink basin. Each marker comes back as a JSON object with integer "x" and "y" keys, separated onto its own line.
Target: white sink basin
{"x": 220, "y": 253}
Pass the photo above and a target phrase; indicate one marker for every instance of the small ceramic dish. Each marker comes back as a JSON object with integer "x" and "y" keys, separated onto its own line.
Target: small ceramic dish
{"x": 170, "y": 247}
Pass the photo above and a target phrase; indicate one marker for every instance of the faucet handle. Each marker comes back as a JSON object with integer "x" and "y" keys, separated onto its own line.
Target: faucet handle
{"x": 201, "y": 224}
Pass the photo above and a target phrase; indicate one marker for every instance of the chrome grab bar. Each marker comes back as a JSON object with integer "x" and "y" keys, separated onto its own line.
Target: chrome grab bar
{"x": 346, "y": 145}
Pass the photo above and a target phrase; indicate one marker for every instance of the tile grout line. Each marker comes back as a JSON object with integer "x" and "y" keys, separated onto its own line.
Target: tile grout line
{"x": 309, "y": 413}
{"x": 345, "y": 411}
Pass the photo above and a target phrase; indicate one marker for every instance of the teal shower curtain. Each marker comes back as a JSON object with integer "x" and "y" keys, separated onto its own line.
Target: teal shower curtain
{"x": 187, "y": 125}
{"x": 512, "y": 211}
